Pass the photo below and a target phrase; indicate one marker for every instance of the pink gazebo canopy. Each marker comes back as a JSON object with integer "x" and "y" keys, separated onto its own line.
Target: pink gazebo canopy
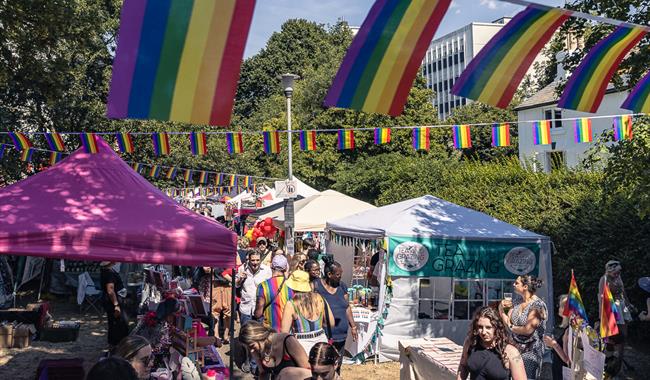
{"x": 95, "y": 207}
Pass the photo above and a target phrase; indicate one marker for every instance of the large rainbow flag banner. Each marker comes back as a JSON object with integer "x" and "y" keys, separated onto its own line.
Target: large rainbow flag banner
{"x": 639, "y": 99}
{"x": 574, "y": 303}
{"x": 345, "y": 139}
{"x": 55, "y": 141}
{"x": 462, "y": 137}
{"x": 307, "y": 140}
{"x": 235, "y": 142}
{"x": 608, "y": 314}
{"x": 271, "y": 142}
{"x": 20, "y": 140}
{"x": 160, "y": 143}
{"x": 421, "y": 139}
{"x": 622, "y": 127}
{"x": 587, "y": 85}
{"x": 179, "y": 59}
{"x": 542, "y": 132}
{"x": 125, "y": 142}
{"x": 88, "y": 142}
{"x": 198, "y": 143}
{"x": 382, "y": 136}
{"x": 501, "y": 134}
{"x": 493, "y": 76}
{"x": 583, "y": 131}
{"x": 379, "y": 67}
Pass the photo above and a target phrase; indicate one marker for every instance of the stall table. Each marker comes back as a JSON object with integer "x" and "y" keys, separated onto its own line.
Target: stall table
{"x": 429, "y": 358}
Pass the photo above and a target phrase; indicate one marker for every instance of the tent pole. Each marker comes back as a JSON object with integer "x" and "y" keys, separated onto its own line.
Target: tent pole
{"x": 40, "y": 286}
{"x": 212, "y": 321}
{"x": 232, "y": 320}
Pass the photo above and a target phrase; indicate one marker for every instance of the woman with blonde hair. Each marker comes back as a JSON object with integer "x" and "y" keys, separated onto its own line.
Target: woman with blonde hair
{"x": 297, "y": 262}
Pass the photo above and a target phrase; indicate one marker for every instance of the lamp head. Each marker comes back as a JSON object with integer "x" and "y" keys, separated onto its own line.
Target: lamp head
{"x": 287, "y": 83}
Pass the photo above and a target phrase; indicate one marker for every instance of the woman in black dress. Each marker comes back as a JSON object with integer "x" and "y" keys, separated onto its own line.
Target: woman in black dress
{"x": 113, "y": 291}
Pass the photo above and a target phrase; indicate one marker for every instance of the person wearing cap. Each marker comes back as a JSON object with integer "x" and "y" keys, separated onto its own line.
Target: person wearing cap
{"x": 273, "y": 294}
{"x": 262, "y": 246}
{"x": 112, "y": 288}
{"x": 612, "y": 278}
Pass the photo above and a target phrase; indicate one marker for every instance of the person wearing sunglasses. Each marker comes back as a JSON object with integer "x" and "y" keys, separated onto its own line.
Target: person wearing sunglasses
{"x": 137, "y": 351}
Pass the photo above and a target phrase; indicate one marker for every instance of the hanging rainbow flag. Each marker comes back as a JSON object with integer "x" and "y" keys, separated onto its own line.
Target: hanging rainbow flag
{"x": 125, "y": 142}
{"x": 346, "y": 139}
{"x": 233, "y": 180}
{"x": 379, "y": 67}
{"x": 26, "y": 155}
{"x": 179, "y": 60}
{"x": 55, "y": 141}
{"x": 137, "y": 167}
{"x": 246, "y": 182}
{"x": 574, "y": 303}
{"x": 542, "y": 132}
{"x": 493, "y": 76}
{"x": 198, "y": 143}
{"x": 583, "y": 131}
{"x": 307, "y": 140}
{"x": 501, "y": 134}
{"x": 235, "y": 142}
{"x": 421, "y": 140}
{"x": 382, "y": 136}
{"x": 20, "y": 140}
{"x": 203, "y": 177}
{"x": 462, "y": 137}
{"x": 154, "y": 172}
{"x": 187, "y": 175}
{"x": 271, "y": 142}
{"x": 171, "y": 173}
{"x": 160, "y": 143}
{"x": 639, "y": 99}
{"x": 55, "y": 157}
{"x": 622, "y": 127}
{"x": 88, "y": 142}
{"x": 586, "y": 87}
{"x": 220, "y": 179}
{"x": 609, "y": 313}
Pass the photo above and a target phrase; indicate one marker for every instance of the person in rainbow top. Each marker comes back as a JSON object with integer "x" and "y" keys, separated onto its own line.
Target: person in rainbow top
{"x": 273, "y": 294}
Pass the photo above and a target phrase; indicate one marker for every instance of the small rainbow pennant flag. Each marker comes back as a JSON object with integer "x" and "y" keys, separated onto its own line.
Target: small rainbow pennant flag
{"x": 307, "y": 140}
{"x": 462, "y": 137}
{"x": 55, "y": 157}
{"x": 203, "y": 177}
{"x": 421, "y": 139}
{"x": 88, "y": 142}
{"x": 160, "y": 143}
{"x": 21, "y": 142}
{"x": 622, "y": 127}
{"x": 235, "y": 142}
{"x": 154, "y": 172}
{"x": 382, "y": 136}
{"x": 171, "y": 173}
{"x": 198, "y": 143}
{"x": 574, "y": 303}
{"x": 55, "y": 141}
{"x": 346, "y": 139}
{"x": 2, "y": 150}
{"x": 233, "y": 180}
{"x": 26, "y": 155}
{"x": 137, "y": 167}
{"x": 246, "y": 181}
{"x": 220, "y": 179}
{"x": 271, "y": 142}
{"x": 639, "y": 99}
{"x": 501, "y": 134}
{"x": 583, "y": 131}
{"x": 187, "y": 176}
{"x": 125, "y": 142}
{"x": 542, "y": 132}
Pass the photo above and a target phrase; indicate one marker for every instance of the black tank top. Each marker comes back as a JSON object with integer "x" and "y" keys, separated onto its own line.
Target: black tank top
{"x": 485, "y": 364}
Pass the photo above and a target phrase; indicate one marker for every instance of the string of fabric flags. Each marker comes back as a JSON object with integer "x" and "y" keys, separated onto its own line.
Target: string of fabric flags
{"x": 208, "y": 191}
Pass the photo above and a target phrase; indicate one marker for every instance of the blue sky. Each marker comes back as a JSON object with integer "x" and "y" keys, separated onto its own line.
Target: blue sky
{"x": 271, "y": 14}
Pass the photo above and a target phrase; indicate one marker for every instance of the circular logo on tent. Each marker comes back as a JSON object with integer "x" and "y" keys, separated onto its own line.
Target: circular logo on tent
{"x": 519, "y": 261}
{"x": 410, "y": 256}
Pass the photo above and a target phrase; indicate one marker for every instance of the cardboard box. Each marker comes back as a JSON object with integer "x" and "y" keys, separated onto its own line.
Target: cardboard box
{"x": 22, "y": 336}
{"x": 6, "y": 336}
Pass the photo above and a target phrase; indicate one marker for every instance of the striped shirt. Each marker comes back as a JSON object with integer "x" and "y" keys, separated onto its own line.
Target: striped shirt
{"x": 268, "y": 290}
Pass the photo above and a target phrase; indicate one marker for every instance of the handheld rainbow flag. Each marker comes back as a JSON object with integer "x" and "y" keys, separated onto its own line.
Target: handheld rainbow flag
{"x": 55, "y": 157}
{"x": 639, "y": 99}
{"x": 346, "y": 139}
{"x": 622, "y": 127}
{"x": 203, "y": 177}
{"x": 20, "y": 140}
{"x": 154, "y": 172}
{"x": 125, "y": 142}
{"x": 382, "y": 136}
{"x": 179, "y": 60}
{"x": 501, "y": 134}
{"x": 574, "y": 303}
{"x": 233, "y": 180}
{"x": 271, "y": 142}
{"x": 55, "y": 141}
{"x": 88, "y": 142}
{"x": 542, "y": 132}
{"x": 235, "y": 142}
{"x": 171, "y": 173}
{"x": 198, "y": 143}
{"x": 187, "y": 175}
{"x": 462, "y": 137}
{"x": 587, "y": 85}
{"x": 379, "y": 67}
{"x": 137, "y": 167}
{"x": 307, "y": 140}
{"x": 493, "y": 76}
{"x": 608, "y": 314}
{"x": 26, "y": 155}
{"x": 160, "y": 143}
{"x": 2, "y": 150}
{"x": 583, "y": 131}
{"x": 421, "y": 139}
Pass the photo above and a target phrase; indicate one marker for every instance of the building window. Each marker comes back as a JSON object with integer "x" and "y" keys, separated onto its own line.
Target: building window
{"x": 455, "y": 59}
{"x": 555, "y": 160}
{"x": 555, "y": 115}
{"x": 462, "y": 57}
{"x": 434, "y": 298}
{"x": 470, "y": 294}
{"x": 463, "y": 101}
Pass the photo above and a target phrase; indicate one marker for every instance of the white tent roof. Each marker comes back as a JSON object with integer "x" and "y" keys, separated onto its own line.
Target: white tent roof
{"x": 313, "y": 212}
{"x": 431, "y": 217}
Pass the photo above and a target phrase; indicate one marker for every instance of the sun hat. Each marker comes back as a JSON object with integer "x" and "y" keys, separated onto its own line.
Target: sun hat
{"x": 299, "y": 281}
{"x": 279, "y": 262}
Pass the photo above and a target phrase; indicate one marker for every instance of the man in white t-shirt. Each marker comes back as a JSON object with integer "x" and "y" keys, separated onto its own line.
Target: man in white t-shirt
{"x": 249, "y": 275}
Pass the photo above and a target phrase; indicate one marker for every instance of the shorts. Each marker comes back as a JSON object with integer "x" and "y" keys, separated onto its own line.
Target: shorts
{"x": 221, "y": 297}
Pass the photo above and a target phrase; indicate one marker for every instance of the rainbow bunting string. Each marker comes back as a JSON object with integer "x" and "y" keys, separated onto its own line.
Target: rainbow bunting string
{"x": 26, "y": 155}
{"x": 220, "y": 179}
{"x": 271, "y": 142}
{"x": 379, "y": 67}
{"x": 639, "y": 99}
{"x": 233, "y": 180}
{"x": 307, "y": 140}
{"x": 246, "y": 181}
{"x": 55, "y": 157}
{"x": 345, "y": 139}
{"x": 608, "y": 314}
{"x": 198, "y": 143}
{"x": 501, "y": 135}
{"x": 137, "y": 167}
{"x": 187, "y": 176}
{"x": 171, "y": 173}
{"x": 583, "y": 130}
{"x": 125, "y": 142}
{"x": 154, "y": 172}
{"x": 55, "y": 141}
{"x": 203, "y": 177}
{"x": 462, "y": 137}
{"x": 160, "y": 143}
{"x": 382, "y": 136}
{"x": 574, "y": 303}
{"x": 234, "y": 142}
{"x": 542, "y": 132}
{"x": 421, "y": 139}
{"x": 179, "y": 60}
{"x": 21, "y": 142}
{"x": 88, "y": 142}
{"x": 622, "y": 127}
{"x": 587, "y": 85}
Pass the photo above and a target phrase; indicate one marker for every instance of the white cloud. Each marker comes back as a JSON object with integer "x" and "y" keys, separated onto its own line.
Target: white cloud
{"x": 492, "y": 4}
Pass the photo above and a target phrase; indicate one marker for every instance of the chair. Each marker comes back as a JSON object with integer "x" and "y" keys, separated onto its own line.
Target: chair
{"x": 88, "y": 296}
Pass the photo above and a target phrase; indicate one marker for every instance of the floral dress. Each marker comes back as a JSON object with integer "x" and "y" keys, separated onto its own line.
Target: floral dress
{"x": 530, "y": 346}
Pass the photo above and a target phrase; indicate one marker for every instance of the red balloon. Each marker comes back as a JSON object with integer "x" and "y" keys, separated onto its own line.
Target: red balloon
{"x": 267, "y": 229}
{"x": 268, "y": 221}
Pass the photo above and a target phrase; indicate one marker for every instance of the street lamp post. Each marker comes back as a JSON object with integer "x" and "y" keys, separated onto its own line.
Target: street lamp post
{"x": 287, "y": 85}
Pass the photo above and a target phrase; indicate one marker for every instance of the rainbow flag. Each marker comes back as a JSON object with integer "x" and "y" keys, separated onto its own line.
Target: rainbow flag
{"x": 137, "y": 167}
{"x": 55, "y": 157}
{"x": 346, "y": 139}
{"x": 125, "y": 142}
{"x": 608, "y": 314}
{"x": 574, "y": 303}
{"x": 639, "y": 99}
{"x": 20, "y": 140}
{"x": 55, "y": 141}
{"x": 171, "y": 173}
{"x": 462, "y": 137}
{"x": 88, "y": 142}
{"x": 271, "y": 142}
{"x": 542, "y": 132}
{"x": 26, "y": 155}
{"x": 179, "y": 60}
{"x": 160, "y": 143}
{"x": 586, "y": 87}
{"x": 203, "y": 177}
{"x": 187, "y": 175}
{"x": 2, "y": 150}
{"x": 421, "y": 140}
{"x": 307, "y": 140}
{"x": 379, "y": 67}
{"x": 583, "y": 131}
{"x": 154, "y": 172}
{"x": 235, "y": 142}
{"x": 622, "y": 127}
{"x": 246, "y": 181}
{"x": 493, "y": 76}
{"x": 220, "y": 179}
{"x": 382, "y": 136}
{"x": 501, "y": 134}
{"x": 198, "y": 143}
{"x": 232, "y": 181}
